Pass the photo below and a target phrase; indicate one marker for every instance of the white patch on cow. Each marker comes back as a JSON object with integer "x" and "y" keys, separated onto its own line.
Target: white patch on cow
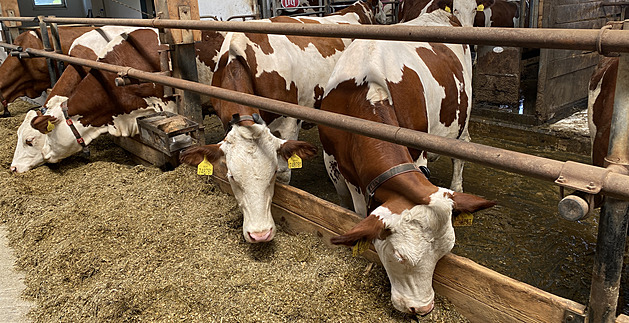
{"x": 419, "y": 238}
{"x": 385, "y": 215}
{"x": 204, "y": 72}
{"x": 98, "y": 40}
{"x": 592, "y": 95}
{"x": 158, "y": 104}
{"x": 251, "y": 155}
{"x": 34, "y": 34}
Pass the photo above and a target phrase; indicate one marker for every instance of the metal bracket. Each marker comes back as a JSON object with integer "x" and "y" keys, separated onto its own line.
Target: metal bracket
{"x": 584, "y": 178}
{"x": 573, "y": 317}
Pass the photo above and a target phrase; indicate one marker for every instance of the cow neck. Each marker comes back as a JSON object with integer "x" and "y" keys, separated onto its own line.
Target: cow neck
{"x": 387, "y": 175}
{"x": 77, "y": 135}
{"x": 237, "y": 119}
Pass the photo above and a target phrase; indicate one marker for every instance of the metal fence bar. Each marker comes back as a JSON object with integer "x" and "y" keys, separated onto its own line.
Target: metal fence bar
{"x": 580, "y": 39}
{"x": 615, "y": 185}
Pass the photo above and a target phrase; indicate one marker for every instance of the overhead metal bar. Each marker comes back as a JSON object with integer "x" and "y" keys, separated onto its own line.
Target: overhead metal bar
{"x": 602, "y": 40}
{"x": 615, "y": 185}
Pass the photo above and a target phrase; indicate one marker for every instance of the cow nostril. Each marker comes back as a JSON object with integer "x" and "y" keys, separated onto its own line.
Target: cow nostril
{"x": 13, "y": 169}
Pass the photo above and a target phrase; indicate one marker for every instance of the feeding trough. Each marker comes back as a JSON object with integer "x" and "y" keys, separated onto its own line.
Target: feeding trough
{"x": 168, "y": 132}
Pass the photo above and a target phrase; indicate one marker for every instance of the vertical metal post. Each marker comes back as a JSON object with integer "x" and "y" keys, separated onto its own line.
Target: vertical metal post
{"x": 54, "y": 31}
{"x": 47, "y": 47}
{"x": 612, "y": 232}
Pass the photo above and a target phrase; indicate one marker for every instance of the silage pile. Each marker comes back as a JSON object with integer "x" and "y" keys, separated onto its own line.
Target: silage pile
{"x": 104, "y": 240}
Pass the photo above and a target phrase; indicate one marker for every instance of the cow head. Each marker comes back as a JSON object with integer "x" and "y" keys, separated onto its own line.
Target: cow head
{"x": 42, "y": 137}
{"x": 410, "y": 243}
{"x": 252, "y": 155}
{"x": 465, "y": 10}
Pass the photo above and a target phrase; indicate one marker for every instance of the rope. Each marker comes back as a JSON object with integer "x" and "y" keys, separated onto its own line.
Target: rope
{"x": 132, "y": 8}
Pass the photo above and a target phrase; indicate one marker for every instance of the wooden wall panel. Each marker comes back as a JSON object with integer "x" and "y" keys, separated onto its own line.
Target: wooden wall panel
{"x": 10, "y": 8}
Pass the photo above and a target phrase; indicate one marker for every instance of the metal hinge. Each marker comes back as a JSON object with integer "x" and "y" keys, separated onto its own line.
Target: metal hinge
{"x": 584, "y": 178}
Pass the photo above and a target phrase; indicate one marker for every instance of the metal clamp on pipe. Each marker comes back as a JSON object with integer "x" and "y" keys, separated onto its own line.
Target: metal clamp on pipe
{"x": 583, "y": 178}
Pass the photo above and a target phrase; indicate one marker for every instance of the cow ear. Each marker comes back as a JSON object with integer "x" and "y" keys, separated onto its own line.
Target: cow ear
{"x": 369, "y": 228}
{"x": 194, "y": 156}
{"x": 42, "y": 123}
{"x": 300, "y": 148}
{"x": 468, "y": 203}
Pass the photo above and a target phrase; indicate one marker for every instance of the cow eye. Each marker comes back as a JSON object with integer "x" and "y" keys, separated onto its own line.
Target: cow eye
{"x": 29, "y": 142}
{"x": 399, "y": 257}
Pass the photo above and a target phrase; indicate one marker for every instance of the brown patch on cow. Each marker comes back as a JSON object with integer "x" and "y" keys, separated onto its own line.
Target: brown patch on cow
{"x": 468, "y": 203}
{"x": 285, "y": 19}
{"x": 361, "y": 159}
{"x": 369, "y": 228}
{"x": 195, "y": 155}
{"x": 29, "y": 77}
{"x": 318, "y": 96}
{"x": 409, "y": 101}
{"x": 603, "y": 106}
{"x": 234, "y": 76}
{"x": 273, "y": 86}
{"x": 262, "y": 41}
{"x": 97, "y": 99}
{"x": 447, "y": 70}
{"x": 325, "y": 45}
{"x": 73, "y": 74}
{"x": 361, "y": 9}
{"x": 502, "y": 14}
{"x": 302, "y": 149}
{"x": 40, "y": 122}
{"x": 209, "y": 47}
{"x": 412, "y": 9}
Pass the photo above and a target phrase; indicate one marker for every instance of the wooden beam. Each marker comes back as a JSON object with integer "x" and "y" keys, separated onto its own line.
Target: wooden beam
{"x": 479, "y": 293}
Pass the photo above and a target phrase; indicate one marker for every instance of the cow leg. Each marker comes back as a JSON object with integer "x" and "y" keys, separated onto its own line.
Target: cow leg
{"x": 338, "y": 180}
{"x": 457, "y": 166}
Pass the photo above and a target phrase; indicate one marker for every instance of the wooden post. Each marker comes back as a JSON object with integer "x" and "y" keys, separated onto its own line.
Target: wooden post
{"x": 10, "y": 9}
{"x": 183, "y": 56}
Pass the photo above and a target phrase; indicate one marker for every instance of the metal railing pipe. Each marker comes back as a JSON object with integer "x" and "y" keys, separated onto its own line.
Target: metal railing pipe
{"x": 11, "y": 46}
{"x": 581, "y": 39}
{"x": 615, "y": 185}
{"x": 21, "y": 19}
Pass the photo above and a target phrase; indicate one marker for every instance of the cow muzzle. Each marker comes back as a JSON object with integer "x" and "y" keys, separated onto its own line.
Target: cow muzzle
{"x": 422, "y": 310}
{"x": 264, "y": 236}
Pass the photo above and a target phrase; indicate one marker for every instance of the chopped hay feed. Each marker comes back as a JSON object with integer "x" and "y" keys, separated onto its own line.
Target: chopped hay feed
{"x": 106, "y": 240}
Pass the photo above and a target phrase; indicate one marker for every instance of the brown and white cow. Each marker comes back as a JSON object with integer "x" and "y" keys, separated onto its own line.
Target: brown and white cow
{"x": 421, "y": 86}
{"x": 601, "y": 95}
{"x": 95, "y": 105}
{"x": 29, "y": 76}
{"x": 287, "y": 68}
{"x": 503, "y": 13}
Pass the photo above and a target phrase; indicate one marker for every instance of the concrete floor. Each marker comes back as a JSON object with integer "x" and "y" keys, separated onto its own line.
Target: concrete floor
{"x": 12, "y": 307}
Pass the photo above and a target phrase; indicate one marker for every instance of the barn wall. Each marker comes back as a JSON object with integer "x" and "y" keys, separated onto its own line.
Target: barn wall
{"x": 564, "y": 74}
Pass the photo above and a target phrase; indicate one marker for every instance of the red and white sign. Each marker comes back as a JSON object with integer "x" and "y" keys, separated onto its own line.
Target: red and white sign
{"x": 290, "y": 3}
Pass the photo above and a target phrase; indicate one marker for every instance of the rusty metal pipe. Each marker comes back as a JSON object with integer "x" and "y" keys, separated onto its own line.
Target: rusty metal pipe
{"x": 22, "y": 19}
{"x": 10, "y": 46}
{"x": 615, "y": 185}
{"x": 581, "y": 39}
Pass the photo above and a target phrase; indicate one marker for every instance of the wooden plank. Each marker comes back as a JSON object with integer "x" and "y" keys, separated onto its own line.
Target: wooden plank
{"x": 145, "y": 153}
{"x": 480, "y": 294}
{"x": 10, "y": 8}
{"x": 579, "y": 12}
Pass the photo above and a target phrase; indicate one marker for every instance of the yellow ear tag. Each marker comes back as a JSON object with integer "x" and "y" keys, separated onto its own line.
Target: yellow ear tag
{"x": 463, "y": 220}
{"x": 480, "y": 7}
{"x": 361, "y": 246}
{"x": 447, "y": 9}
{"x": 50, "y": 127}
{"x": 294, "y": 162}
{"x": 205, "y": 168}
